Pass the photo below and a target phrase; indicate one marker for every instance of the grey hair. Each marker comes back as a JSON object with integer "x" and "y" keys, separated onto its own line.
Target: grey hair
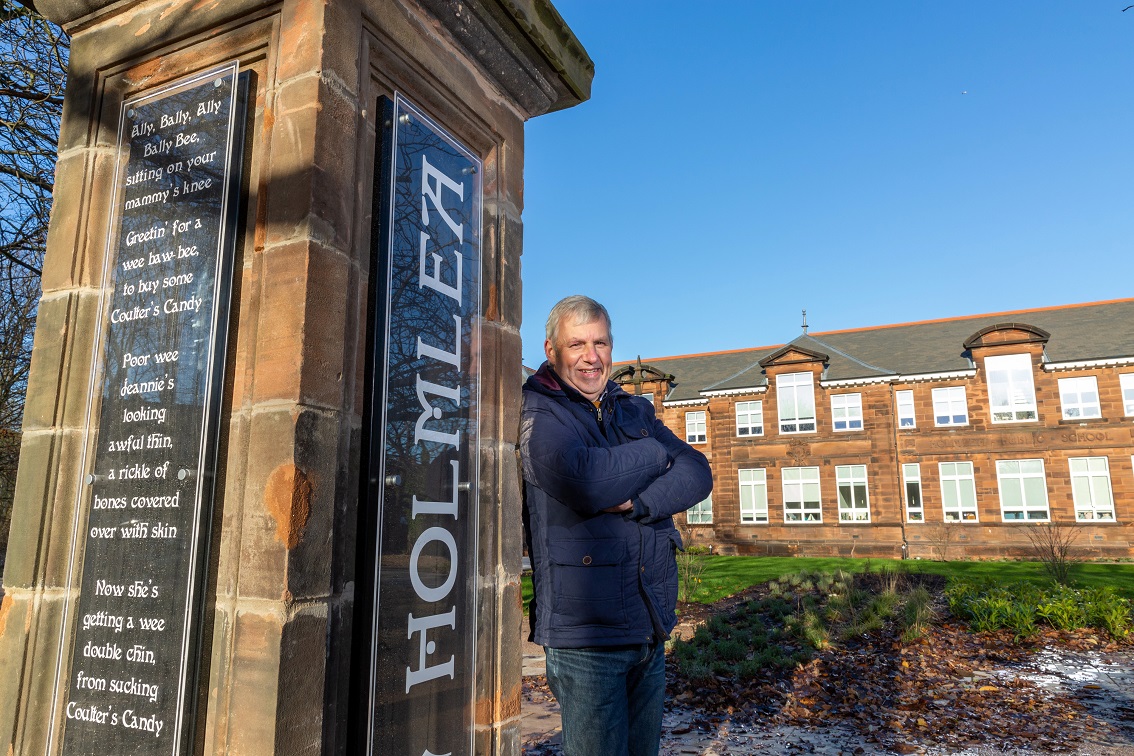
{"x": 582, "y": 309}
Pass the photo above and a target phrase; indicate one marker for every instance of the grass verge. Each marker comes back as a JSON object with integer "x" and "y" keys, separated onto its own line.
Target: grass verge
{"x": 725, "y": 576}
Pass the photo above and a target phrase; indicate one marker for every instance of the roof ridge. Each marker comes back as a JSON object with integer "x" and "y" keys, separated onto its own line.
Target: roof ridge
{"x": 698, "y": 354}
{"x": 958, "y": 318}
{"x": 835, "y": 349}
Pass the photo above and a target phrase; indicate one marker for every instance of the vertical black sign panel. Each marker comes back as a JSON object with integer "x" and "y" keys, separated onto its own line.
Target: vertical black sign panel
{"x": 422, "y": 490}
{"x": 144, "y": 526}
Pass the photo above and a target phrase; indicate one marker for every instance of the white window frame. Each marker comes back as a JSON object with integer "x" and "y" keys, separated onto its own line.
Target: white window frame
{"x": 1011, "y": 477}
{"x": 1071, "y": 398}
{"x": 753, "y": 496}
{"x": 945, "y": 403}
{"x": 750, "y": 419}
{"x": 798, "y": 482}
{"x": 701, "y": 513}
{"x": 1091, "y": 489}
{"x": 696, "y": 427}
{"x": 847, "y": 409}
{"x": 957, "y": 479}
{"x": 648, "y": 396}
{"x": 911, "y": 476}
{"x": 789, "y": 389}
{"x": 1126, "y": 383}
{"x": 848, "y": 480}
{"x": 1010, "y": 377}
{"x": 905, "y": 408}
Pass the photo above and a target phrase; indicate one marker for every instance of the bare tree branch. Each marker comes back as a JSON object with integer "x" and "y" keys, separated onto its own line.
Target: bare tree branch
{"x": 33, "y": 60}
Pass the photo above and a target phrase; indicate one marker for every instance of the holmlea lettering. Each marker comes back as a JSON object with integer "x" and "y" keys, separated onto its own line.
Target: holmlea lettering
{"x": 437, "y": 265}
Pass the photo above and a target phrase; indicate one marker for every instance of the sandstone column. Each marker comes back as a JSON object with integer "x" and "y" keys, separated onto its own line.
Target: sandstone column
{"x": 276, "y": 662}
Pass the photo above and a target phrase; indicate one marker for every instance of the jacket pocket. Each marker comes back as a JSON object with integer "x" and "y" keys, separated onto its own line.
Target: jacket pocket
{"x": 587, "y": 582}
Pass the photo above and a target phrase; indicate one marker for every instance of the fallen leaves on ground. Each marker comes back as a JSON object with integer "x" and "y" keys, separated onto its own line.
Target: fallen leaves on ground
{"x": 951, "y": 688}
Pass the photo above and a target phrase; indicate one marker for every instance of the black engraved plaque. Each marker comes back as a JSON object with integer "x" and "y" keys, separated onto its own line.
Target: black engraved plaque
{"x": 421, "y": 486}
{"x": 146, "y": 504}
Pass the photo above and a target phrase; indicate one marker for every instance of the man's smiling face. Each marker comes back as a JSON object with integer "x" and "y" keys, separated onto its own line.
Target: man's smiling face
{"x": 581, "y": 355}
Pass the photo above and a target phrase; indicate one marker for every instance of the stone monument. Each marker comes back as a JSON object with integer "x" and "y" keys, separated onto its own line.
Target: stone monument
{"x": 268, "y": 499}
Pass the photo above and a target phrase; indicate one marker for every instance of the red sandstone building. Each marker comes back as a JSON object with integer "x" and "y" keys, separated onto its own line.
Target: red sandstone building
{"x": 945, "y": 439}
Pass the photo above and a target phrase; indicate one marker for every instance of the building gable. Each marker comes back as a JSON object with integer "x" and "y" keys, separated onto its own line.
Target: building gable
{"x": 1007, "y": 334}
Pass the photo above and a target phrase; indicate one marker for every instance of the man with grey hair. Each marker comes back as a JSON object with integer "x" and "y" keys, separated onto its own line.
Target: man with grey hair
{"x": 602, "y": 479}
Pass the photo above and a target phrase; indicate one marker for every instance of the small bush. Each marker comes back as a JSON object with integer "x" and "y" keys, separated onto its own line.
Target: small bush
{"x": 1052, "y": 544}
{"x": 1019, "y": 607}
{"x": 690, "y": 568}
{"x": 1063, "y": 610}
{"x": 731, "y": 650}
{"x": 1021, "y": 619}
{"x": 1107, "y": 610}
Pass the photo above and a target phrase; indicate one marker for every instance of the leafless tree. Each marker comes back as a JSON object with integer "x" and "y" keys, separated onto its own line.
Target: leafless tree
{"x": 33, "y": 60}
{"x": 1052, "y": 544}
{"x": 941, "y": 536}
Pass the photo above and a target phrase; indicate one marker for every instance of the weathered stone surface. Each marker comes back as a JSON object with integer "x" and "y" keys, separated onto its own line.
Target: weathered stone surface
{"x": 253, "y": 679}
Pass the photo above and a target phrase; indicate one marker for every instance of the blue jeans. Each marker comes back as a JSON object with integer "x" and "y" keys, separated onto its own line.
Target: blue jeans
{"x": 611, "y": 699}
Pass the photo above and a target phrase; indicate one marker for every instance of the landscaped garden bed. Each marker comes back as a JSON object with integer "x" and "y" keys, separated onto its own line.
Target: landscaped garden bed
{"x": 856, "y": 657}
{"x": 889, "y": 655}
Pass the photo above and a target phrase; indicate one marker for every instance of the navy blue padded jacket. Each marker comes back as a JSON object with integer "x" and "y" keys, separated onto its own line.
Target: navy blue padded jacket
{"x": 600, "y": 578}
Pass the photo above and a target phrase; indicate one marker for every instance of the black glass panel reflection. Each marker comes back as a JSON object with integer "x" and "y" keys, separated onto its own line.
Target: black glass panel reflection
{"x": 134, "y": 641}
{"x": 424, "y": 633}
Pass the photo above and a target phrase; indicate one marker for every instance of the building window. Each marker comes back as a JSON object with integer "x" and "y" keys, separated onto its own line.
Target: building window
{"x": 801, "y": 495}
{"x": 753, "y": 495}
{"x": 949, "y": 406}
{"x": 750, "y": 418}
{"x": 695, "y": 427}
{"x": 1079, "y": 397}
{"x": 1126, "y": 380}
{"x": 958, "y": 491}
{"x": 1090, "y": 488}
{"x": 846, "y": 411}
{"x": 648, "y": 396}
{"x": 701, "y": 513}
{"x": 1023, "y": 490}
{"x": 911, "y": 477}
{"x": 905, "y": 409}
{"x": 854, "y": 503}
{"x": 1011, "y": 393}
{"x": 795, "y": 395}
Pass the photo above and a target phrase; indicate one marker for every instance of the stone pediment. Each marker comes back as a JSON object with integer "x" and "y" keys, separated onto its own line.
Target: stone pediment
{"x": 639, "y": 373}
{"x": 1006, "y": 334}
{"x": 793, "y": 355}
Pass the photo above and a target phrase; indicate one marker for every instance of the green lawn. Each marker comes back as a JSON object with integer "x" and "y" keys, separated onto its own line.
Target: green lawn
{"x": 726, "y": 575}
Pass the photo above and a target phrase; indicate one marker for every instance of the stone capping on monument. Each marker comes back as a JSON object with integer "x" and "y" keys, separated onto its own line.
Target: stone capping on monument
{"x": 529, "y": 31}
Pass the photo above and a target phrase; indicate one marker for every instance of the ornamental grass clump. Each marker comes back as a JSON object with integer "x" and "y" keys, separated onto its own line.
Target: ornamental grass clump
{"x": 798, "y": 616}
{"x": 917, "y": 613}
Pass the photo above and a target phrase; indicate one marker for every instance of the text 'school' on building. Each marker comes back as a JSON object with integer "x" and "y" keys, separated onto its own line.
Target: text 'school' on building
{"x": 945, "y": 439}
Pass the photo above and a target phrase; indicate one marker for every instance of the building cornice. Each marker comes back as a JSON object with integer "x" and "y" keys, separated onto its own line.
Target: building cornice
{"x": 684, "y": 402}
{"x": 859, "y": 381}
{"x": 1050, "y": 367}
{"x": 947, "y": 375}
{"x": 735, "y": 391}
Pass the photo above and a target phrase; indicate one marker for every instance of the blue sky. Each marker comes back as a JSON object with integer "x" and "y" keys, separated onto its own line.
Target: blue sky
{"x": 871, "y": 162}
